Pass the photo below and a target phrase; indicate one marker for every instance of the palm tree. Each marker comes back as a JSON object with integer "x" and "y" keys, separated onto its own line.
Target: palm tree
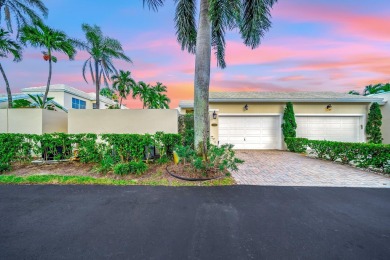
{"x": 22, "y": 11}
{"x": 8, "y": 46}
{"x": 123, "y": 83}
{"x": 107, "y": 92}
{"x": 144, "y": 92}
{"x": 250, "y": 17}
{"x": 372, "y": 89}
{"x": 102, "y": 51}
{"x": 162, "y": 99}
{"x": 51, "y": 40}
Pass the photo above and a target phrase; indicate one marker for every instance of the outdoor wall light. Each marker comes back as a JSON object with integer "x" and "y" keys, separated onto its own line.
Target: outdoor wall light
{"x": 214, "y": 115}
{"x": 329, "y": 107}
{"x": 246, "y": 107}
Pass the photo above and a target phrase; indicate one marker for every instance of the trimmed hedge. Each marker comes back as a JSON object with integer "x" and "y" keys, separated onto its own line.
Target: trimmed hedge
{"x": 363, "y": 155}
{"x": 90, "y": 147}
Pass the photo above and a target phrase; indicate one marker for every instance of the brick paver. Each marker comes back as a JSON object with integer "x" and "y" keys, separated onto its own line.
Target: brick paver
{"x": 281, "y": 168}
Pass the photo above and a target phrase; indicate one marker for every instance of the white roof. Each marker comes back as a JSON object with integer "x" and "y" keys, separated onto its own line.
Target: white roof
{"x": 68, "y": 89}
{"x": 269, "y": 97}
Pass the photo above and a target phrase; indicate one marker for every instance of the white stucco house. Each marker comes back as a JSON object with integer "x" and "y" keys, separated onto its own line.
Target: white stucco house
{"x": 72, "y": 98}
{"x": 252, "y": 120}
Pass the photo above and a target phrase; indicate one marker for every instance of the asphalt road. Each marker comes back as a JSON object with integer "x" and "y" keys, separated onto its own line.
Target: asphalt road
{"x": 239, "y": 222}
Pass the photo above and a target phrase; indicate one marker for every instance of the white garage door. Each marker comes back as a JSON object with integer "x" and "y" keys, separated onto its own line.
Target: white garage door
{"x": 331, "y": 128}
{"x": 250, "y": 132}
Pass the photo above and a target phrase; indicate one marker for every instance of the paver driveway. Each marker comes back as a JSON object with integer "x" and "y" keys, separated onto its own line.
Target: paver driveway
{"x": 281, "y": 168}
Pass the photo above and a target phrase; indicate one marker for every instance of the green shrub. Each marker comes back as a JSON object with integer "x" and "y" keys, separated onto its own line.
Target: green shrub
{"x": 137, "y": 168}
{"x": 296, "y": 145}
{"x": 374, "y": 123}
{"x": 106, "y": 149}
{"x": 219, "y": 159}
{"x": 289, "y": 125}
{"x": 363, "y": 155}
{"x": 165, "y": 143}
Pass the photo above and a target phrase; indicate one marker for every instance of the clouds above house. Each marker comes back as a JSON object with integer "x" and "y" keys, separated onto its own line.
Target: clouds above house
{"x": 312, "y": 46}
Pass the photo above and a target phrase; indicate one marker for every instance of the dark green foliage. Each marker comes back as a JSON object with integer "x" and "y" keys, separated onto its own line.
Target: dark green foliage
{"x": 107, "y": 149}
{"x": 296, "y": 145}
{"x": 186, "y": 129}
{"x": 364, "y": 155}
{"x": 289, "y": 125}
{"x": 374, "y": 123}
{"x": 165, "y": 143}
{"x": 219, "y": 159}
{"x": 137, "y": 168}
{"x": 129, "y": 146}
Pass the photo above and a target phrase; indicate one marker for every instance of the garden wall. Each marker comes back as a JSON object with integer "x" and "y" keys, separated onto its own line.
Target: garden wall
{"x": 122, "y": 121}
{"x": 32, "y": 121}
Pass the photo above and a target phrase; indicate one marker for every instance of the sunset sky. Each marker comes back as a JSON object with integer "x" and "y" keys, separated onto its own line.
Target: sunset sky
{"x": 320, "y": 45}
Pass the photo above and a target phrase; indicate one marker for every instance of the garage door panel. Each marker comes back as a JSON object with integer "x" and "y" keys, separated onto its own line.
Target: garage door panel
{"x": 332, "y": 128}
{"x": 250, "y": 132}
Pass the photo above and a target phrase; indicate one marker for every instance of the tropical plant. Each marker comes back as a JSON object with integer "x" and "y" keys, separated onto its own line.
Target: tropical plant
{"x": 22, "y": 11}
{"x": 162, "y": 99}
{"x": 37, "y": 102}
{"x": 51, "y": 40}
{"x": 353, "y": 92}
{"x": 372, "y": 89}
{"x": 289, "y": 125}
{"x": 251, "y": 18}
{"x": 123, "y": 83}
{"x": 107, "y": 92}
{"x": 8, "y": 46}
{"x": 143, "y": 91}
{"x": 374, "y": 123}
{"x": 102, "y": 51}
{"x": 152, "y": 97}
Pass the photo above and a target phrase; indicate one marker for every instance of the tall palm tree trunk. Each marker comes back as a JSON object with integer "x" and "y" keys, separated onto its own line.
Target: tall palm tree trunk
{"x": 120, "y": 103}
{"x": 97, "y": 82}
{"x": 202, "y": 80}
{"x": 48, "y": 80}
{"x": 7, "y": 87}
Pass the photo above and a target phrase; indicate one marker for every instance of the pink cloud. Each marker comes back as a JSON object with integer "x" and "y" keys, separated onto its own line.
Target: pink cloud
{"x": 344, "y": 20}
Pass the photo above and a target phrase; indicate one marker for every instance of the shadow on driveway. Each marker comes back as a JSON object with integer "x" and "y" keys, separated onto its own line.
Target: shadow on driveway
{"x": 237, "y": 222}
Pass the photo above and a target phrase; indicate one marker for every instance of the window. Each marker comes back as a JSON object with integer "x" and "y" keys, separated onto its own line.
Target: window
{"x": 78, "y": 104}
{"x": 94, "y": 105}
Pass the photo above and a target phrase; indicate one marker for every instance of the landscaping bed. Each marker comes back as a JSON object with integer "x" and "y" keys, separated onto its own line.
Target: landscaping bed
{"x": 82, "y": 173}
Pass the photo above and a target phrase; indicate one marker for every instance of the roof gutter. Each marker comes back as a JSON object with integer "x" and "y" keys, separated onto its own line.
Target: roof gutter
{"x": 315, "y": 100}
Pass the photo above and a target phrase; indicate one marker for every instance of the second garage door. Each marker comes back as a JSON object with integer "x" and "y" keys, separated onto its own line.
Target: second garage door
{"x": 250, "y": 132}
{"x": 331, "y": 128}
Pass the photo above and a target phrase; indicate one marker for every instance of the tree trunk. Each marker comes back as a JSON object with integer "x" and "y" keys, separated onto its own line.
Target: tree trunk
{"x": 7, "y": 87}
{"x": 120, "y": 103}
{"x": 97, "y": 82}
{"x": 48, "y": 80}
{"x": 202, "y": 80}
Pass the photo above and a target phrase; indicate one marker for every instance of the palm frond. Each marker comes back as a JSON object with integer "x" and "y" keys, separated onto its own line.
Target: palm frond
{"x": 255, "y": 21}
{"x": 185, "y": 24}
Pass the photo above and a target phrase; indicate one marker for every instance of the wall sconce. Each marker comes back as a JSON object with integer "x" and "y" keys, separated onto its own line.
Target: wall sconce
{"x": 246, "y": 107}
{"x": 329, "y": 107}
{"x": 214, "y": 115}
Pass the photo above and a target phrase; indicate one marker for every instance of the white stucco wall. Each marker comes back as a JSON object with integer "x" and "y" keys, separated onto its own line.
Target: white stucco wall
{"x": 122, "y": 121}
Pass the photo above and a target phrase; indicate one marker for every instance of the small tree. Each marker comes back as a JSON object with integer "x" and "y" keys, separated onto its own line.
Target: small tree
{"x": 374, "y": 123}
{"x": 289, "y": 125}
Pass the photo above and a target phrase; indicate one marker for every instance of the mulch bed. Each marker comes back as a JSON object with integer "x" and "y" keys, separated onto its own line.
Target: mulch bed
{"x": 187, "y": 172}
{"x": 155, "y": 172}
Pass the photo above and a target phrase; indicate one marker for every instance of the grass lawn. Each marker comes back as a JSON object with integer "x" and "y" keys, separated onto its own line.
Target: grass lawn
{"x": 87, "y": 180}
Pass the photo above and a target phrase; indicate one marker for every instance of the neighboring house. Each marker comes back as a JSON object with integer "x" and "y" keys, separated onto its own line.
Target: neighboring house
{"x": 4, "y": 100}
{"x": 72, "y": 98}
{"x": 252, "y": 120}
{"x": 385, "y": 108}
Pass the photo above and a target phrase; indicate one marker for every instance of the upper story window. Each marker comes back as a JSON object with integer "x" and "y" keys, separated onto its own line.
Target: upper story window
{"x": 78, "y": 104}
